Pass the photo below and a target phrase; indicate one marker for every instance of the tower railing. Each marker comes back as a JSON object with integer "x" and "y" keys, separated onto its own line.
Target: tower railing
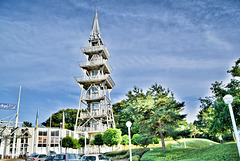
{"x": 91, "y": 49}
{"x": 92, "y": 114}
{"x": 96, "y": 78}
{"x": 98, "y": 128}
{"x": 94, "y": 96}
{"x": 97, "y": 62}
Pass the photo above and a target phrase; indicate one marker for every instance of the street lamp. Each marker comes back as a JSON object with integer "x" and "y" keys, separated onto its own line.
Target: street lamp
{"x": 183, "y": 127}
{"x": 129, "y": 124}
{"x": 85, "y": 133}
{"x": 228, "y": 99}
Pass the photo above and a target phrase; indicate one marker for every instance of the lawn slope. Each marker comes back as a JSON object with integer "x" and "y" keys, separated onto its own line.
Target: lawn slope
{"x": 197, "y": 150}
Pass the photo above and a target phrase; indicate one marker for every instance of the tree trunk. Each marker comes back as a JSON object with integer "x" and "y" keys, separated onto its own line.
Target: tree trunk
{"x": 162, "y": 137}
{"x": 233, "y": 136}
{"x": 163, "y": 143}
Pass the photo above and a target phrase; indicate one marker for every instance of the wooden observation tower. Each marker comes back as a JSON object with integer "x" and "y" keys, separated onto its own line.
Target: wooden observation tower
{"x": 95, "y": 108}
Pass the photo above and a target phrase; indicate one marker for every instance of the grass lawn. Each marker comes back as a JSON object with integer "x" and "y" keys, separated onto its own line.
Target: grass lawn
{"x": 197, "y": 150}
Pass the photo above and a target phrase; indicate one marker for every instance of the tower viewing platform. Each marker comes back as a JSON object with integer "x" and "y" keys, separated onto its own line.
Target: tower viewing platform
{"x": 95, "y": 114}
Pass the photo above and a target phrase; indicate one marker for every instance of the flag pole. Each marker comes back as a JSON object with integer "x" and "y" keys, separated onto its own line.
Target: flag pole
{"x": 51, "y": 120}
{"x": 14, "y": 138}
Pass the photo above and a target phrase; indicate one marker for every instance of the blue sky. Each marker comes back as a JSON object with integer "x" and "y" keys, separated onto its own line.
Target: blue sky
{"x": 183, "y": 45}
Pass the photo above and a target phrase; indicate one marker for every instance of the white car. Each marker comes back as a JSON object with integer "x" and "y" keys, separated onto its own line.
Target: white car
{"x": 95, "y": 157}
{"x": 37, "y": 157}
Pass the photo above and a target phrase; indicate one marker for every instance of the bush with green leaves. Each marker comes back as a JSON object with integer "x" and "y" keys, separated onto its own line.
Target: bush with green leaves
{"x": 76, "y": 144}
{"x": 125, "y": 140}
{"x": 67, "y": 142}
{"x": 112, "y": 137}
{"x": 135, "y": 139}
{"x": 156, "y": 140}
{"x": 135, "y": 158}
{"x": 98, "y": 139}
{"x": 82, "y": 141}
{"x": 145, "y": 140}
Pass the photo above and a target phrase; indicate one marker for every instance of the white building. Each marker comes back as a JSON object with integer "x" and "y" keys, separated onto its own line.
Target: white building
{"x": 29, "y": 140}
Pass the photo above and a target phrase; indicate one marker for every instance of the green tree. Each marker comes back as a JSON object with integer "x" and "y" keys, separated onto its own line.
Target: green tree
{"x": 67, "y": 142}
{"x": 112, "y": 137}
{"x": 98, "y": 140}
{"x": 156, "y": 111}
{"x": 193, "y": 129}
{"x": 81, "y": 141}
{"x": 214, "y": 118}
{"x": 27, "y": 123}
{"x": 57, "y": 118}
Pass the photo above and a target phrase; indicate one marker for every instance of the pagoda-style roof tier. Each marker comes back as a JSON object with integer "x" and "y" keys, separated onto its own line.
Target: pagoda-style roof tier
{"x": 95, "y": 65}
{"x": 90, "y": 50}
{"x": 88, "y": 81}
{"x": 93, "y": 98}
{"x": 99, "y": 129}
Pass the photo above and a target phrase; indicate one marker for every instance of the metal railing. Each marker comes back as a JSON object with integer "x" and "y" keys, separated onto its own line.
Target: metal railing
{"x": 93, "y": 96}
{"x": 95, "y": 78}
{"x": 97, "y": 62}
{"x": 99, "y": 128}
{"x": 96, "y": 48}
{"x": 92, "y": 114}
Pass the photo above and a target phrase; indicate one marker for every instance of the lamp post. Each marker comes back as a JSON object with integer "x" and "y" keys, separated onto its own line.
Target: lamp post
{"x": 85, "y": 134}
{"x": 129, "y": 124}
{"x": 228, "y": 99}
{"x": 183, "y": 127}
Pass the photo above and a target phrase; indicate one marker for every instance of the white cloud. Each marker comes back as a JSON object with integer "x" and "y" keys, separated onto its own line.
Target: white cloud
{"x": 219, "y": 43}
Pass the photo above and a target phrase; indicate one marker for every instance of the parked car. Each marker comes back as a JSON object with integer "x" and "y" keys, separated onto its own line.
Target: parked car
{"x": 67, "y": 157}
{"x": 37, "y": 157}
{"x": 49, "y": 158}
{"x": 95, "y": 157}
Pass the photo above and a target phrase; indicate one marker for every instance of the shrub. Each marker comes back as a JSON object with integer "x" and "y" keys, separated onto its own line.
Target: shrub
{"x": 135, "y": 139}
{"x": 112, "y": 137}
{"x": 125, "y": 140}
{"x": 115, "y": 153}
{"x": 144, "y": 140}
{"x": 155, "y": 140}
{"x": 82, "y": 141}
{"x": 135, "y": 158}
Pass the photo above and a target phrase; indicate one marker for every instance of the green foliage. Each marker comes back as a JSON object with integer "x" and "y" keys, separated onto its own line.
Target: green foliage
{"x": 115, "y": 153}
{"x": 155, "y": 112}
{"x": 125, "y": 140}
{"x": 27, "y": 123}
{"x": 145, "y": 140}
{"x": 67, "y": 142}
{"x": 125, "y": 153}
{"x": 135, "y": 158}
{"x": 98, "y": 140}
{"x": 135, "y": 139}
{"x": 76, "y": 144}
{"x": 92, "y": 142}
{"x": 57, "y": 118}
{"x": 156, "y": 140}
{"x": 214, "y": 117}
{"x": 214, "y": 152}
{"x": 112, "y": 137}
{"x": 81, "y": 141}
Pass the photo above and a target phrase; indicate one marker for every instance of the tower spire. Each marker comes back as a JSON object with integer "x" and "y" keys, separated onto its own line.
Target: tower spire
{"x": 95, "y": 32}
